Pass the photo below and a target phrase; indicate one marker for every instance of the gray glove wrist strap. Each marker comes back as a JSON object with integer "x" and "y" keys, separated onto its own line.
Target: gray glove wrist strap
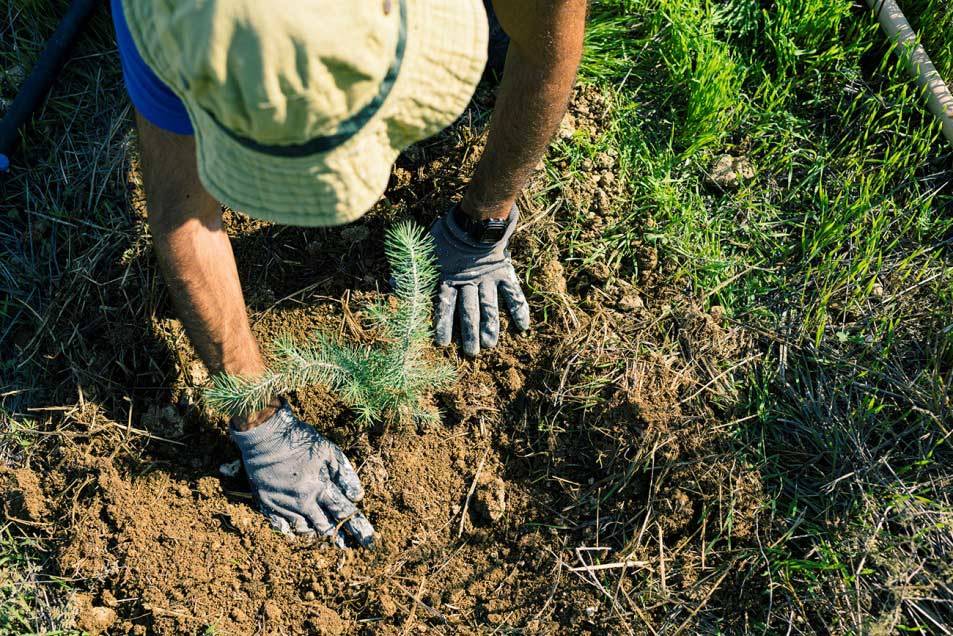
{"x": 266, "y": 434}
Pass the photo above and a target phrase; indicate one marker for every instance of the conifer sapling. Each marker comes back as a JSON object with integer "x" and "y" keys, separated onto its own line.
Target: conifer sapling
{"x": 389, "y": 378}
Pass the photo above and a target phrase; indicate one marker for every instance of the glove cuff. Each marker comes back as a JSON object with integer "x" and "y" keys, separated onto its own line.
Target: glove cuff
{"x": 268, "y": 431}
{"x": 461, "y": 235}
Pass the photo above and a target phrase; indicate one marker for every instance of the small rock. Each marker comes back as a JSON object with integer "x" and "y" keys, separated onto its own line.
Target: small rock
{"x": 238, "y": 615}
{"x": 164, "y": 421}
{"x": 271, "y": 610}
{"x": 729, "y": 171}
{"x": 94, "y": 619}
{"x": 603, "y": 201}
{"x": 631, "y": 302}
{"x": 605, "y": 160}
{"x": 567, "y": 127}
{"x": 877, "y": 291}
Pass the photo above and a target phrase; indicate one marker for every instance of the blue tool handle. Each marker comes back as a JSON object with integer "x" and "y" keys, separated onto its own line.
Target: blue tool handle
{"x": 41, "y": 78}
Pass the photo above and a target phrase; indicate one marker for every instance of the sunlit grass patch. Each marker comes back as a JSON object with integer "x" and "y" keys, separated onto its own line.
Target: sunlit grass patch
{"x": 836, "y": 253}
{"x": 28, "y": 606}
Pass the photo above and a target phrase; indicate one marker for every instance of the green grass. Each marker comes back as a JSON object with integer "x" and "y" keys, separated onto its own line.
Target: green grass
{"x": 836, "y": 255}
{"x": 26, "y": 606}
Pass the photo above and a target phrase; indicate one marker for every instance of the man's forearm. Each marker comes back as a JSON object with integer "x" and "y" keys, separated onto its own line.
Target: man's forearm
{"x": 537, "y": 81}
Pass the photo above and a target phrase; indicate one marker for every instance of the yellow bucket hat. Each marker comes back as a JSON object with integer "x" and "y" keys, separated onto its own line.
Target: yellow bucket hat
{"x": 300, "y": 107}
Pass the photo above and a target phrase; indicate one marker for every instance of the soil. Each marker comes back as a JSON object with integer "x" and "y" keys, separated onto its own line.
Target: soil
{"x": 601, "y": 436}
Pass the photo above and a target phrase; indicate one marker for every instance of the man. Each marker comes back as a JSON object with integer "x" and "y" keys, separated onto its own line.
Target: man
{"x": 294, "y": 111}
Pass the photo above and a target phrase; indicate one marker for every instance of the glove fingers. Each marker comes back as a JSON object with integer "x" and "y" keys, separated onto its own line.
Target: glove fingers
{"x": 340, "y": 508}
{"x": 286, "y": 521}
{"x": 515, "y": 300}
{"x": 361, "y": 529}
{"x": 469, "y": 302}
{"x": 446, "y": 301}
{"x": 336, "y": 504}
{"x": 279, "y": 523}
{"x": 346, "y": 477}
{"x": 318, "y": 519}
{"x": 489, "y": 315}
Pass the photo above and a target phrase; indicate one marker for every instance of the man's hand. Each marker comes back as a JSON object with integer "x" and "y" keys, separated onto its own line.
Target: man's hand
{"x": 302, "y": 480}
{"x": 472, "y": 277}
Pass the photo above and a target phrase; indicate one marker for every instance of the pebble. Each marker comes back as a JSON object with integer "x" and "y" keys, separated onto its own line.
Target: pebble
{"x": 631, "y": 302}
{"x": 108, "y": 599}
{"x": 271, "y": 610}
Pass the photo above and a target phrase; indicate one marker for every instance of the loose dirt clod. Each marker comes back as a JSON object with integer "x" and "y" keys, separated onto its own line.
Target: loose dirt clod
{"x": 163, "y": 421}
{"x": 489, "y": 500}
{"x": 23, "y": 497}
{"x": 94, "y": 619}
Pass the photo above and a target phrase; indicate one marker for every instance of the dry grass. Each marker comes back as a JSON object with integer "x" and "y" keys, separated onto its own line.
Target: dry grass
{"x": 744, "y": 417}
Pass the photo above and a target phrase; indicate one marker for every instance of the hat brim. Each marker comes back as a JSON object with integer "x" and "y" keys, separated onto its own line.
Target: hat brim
{"x": 443, "y": 60}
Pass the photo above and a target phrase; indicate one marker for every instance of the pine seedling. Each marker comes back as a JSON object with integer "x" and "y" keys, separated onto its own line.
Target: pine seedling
{"x": 388, "y": 378}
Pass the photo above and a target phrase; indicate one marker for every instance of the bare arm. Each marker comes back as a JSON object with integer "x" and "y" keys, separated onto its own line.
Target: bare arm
{"x": 196, "y": 258}
{"x": 545, "y": 47}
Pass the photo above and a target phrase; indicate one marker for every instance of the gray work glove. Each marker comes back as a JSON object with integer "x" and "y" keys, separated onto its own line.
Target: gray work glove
{"x": 302, "y": 480}
{"x": 472, "y": 275}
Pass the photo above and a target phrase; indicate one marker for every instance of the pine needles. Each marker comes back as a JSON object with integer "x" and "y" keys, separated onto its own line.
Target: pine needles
{"x": 389, "y": 378}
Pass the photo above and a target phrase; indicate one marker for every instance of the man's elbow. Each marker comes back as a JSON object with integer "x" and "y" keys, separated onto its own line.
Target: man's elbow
{"x": 546, "y": 32}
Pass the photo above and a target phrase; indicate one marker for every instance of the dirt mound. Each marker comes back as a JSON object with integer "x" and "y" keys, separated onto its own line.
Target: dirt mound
{"x": 584, "y": 477}
{"x": 477, "y": 527}
{"x": 190, "y": 553}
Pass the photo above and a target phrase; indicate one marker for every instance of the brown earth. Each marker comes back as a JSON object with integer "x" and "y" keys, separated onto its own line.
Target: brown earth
{"x": 603, "y": 437}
